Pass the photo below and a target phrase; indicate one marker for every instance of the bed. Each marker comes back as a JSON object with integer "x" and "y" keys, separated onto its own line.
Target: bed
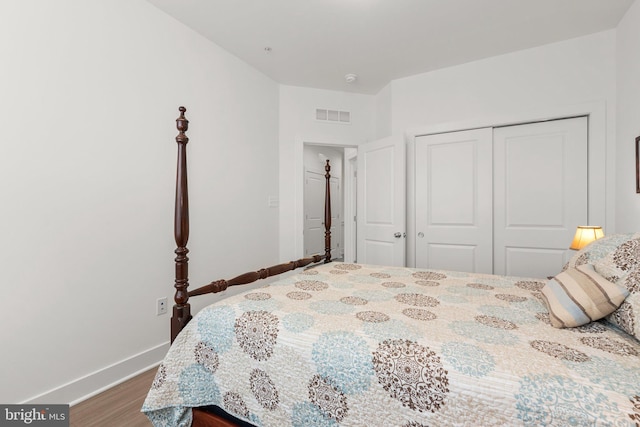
{"x": 342, "y": 344}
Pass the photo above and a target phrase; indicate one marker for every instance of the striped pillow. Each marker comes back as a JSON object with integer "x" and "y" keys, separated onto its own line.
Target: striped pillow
{"x": 580, "y": 295}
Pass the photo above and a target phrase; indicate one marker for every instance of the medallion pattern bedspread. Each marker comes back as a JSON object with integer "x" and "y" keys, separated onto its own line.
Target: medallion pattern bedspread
{"x": 358, "y": 345}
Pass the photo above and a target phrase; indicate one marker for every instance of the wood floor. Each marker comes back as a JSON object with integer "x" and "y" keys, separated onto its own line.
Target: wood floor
{"x": 117, "y": 407}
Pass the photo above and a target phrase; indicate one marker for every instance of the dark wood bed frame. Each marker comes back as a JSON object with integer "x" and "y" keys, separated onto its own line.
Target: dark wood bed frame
{"x": 182, "y": 308}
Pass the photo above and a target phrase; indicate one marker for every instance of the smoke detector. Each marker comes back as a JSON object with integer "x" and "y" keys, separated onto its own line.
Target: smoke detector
{"x": 351, "y": 78}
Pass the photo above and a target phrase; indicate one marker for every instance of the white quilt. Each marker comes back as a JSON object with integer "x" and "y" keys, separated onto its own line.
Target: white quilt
{"x": 358, "y": 345}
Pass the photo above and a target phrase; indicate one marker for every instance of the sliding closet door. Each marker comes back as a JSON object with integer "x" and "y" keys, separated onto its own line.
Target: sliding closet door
{"x": 453, "y": 201}
{"x": 540, "y": 193}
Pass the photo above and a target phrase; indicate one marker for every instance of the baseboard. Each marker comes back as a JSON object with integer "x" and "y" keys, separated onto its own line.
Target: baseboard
{"x": 88, "y": 386}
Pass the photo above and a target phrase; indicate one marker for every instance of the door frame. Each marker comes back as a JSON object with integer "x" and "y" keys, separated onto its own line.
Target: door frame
{"x": 601, "y": 179}
{"x": 299, "y": 189}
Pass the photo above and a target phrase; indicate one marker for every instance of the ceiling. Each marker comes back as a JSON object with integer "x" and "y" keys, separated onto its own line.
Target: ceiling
{"x": 315, "y": 43}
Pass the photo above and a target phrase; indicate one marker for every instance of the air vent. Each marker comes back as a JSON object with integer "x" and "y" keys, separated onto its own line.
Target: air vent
{"x": 333, "y": 116}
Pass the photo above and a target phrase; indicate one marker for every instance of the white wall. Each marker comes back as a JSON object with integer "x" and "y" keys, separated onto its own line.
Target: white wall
{"x": 383, "y": 118}
{"x": 628, "y": 120}
{"x": 570, "y": 72}
{"x": 299, "y": 126}
{"x": 90, "y": 92}
{"x": 574, "y": 76}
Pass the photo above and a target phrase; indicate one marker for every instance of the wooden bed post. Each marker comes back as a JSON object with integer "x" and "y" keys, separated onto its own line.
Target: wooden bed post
{"x": 181, "y": 308}
{"x": 327, "y": 214}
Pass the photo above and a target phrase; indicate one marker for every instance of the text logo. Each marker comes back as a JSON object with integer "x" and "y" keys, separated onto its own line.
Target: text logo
{"x": 34, "y": 415}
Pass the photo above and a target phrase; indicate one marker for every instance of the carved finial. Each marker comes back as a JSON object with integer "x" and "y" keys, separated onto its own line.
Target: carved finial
{"x": 183, "y": 125}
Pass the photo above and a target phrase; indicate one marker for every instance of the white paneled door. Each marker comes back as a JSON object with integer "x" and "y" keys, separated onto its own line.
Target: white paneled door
{"x": 314, "y": 189}
{"x": 381, "y": 218}
{"x": 540, "y": 193}
{"x": 454, "y": 201}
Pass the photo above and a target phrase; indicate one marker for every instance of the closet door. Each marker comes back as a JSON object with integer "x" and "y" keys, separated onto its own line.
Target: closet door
{"x": 540, "y": 192}
{"x": 454, "y": 201}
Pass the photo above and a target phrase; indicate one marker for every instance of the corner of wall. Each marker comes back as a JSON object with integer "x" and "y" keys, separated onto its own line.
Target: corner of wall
{"x": 383, "y": 113}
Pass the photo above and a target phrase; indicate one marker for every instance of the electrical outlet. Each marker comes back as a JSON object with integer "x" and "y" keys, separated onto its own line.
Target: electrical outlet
{"x": 161, "y": 306}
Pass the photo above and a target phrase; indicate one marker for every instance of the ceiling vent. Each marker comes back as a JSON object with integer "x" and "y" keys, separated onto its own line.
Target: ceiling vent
{"x": 333, "y": 116}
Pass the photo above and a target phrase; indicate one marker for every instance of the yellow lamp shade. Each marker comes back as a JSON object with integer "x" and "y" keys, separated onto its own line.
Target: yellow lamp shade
{"x": 585, "y": 234}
